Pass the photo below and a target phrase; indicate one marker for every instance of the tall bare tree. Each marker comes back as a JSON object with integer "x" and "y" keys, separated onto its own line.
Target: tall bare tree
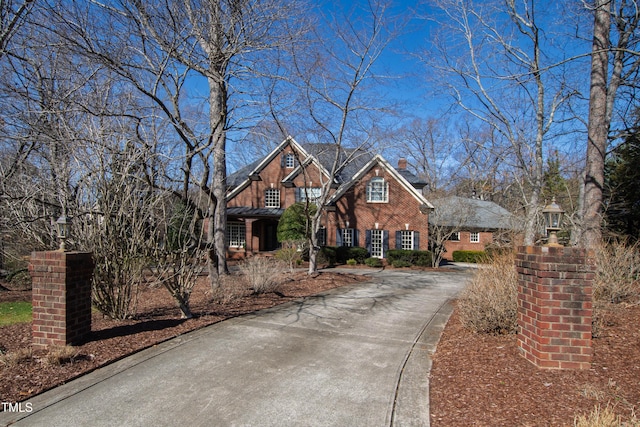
{"x": 172, "y": 51}
{"x": 617, "y": 46}
{"x": 12, "y": 15}
{"x": 500, "y": 72}
{"x": 330, "y": 74}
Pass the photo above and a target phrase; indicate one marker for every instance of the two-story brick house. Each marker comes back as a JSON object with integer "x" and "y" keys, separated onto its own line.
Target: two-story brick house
{"x": 371, "y": 204}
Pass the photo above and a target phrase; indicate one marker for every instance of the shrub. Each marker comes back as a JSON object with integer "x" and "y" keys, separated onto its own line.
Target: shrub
{"x": 400, "y": 263}
{"x": 373, "y": 262}
{"x": 617, "y": 273}
{"x": 489, "y": 304}
{"x": 418, "y": 258}
{"x": 327, "y": 255}
{"x": 604, "y": 418}
{"x": 289, "y": 253}
{"x": 262, "y": 274}
{"x": 469, "y": 256}
{"x": 351, "y": 261}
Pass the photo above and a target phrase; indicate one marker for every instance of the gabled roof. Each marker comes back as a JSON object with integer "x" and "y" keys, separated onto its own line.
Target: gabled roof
{"x": 468, "y": 213}
{"x": 241, "y": 179}
{"x": 379, "y": 160}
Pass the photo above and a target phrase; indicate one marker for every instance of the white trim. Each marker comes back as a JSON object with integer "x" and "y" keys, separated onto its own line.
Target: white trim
{"x": 378, "y": 159}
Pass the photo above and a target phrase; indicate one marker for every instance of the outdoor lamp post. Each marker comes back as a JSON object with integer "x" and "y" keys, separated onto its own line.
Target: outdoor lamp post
{"x": 553, "y": 217}
{"x": 62, "y": 227}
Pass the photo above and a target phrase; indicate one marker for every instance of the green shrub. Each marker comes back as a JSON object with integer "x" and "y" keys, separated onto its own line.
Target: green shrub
{"x": 417, "y": 258}
{"x": 341, "y": 254}
{"x": 400, "y": 263}
{"x": 469, "y": 256}
{"x": 327, "y": 255}
{"x": 373, "y": 262}
{"x": 351, "y": 261}
{"x": 489, "y": 304}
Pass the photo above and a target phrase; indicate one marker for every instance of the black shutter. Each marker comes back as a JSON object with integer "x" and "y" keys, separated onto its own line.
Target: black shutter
{"x": 356, "y": 237}
{"x": 339, "y": 237}
{"x": 416, "y": 240}
{"x": 282, "y": 157}
{"x": 398, "y": 239}
{"x": 385, "y": 243}
{"x": 367, "y": 240}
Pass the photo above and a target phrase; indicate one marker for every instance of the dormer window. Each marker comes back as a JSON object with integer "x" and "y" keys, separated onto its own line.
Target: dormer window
{"x": 377, "y": 190}
{"x": 289, "y": 160}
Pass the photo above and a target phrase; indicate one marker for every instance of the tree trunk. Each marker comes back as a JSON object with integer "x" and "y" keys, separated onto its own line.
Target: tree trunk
{"x": 598, "y": 129}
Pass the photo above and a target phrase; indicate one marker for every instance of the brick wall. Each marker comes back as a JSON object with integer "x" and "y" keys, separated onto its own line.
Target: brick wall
{"x": 402, "y": 212}
{"x": 61, "y": 297}
{"x": 465, "y": 243}
{"x": 555, "y": 306}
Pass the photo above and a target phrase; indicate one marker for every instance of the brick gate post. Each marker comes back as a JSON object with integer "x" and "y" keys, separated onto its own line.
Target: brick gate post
{"x": 61, "y": 297}
{"x": 555, "y": 306}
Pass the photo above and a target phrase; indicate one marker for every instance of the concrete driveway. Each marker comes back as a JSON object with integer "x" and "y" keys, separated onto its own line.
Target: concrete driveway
{"x": 354, "y": 356}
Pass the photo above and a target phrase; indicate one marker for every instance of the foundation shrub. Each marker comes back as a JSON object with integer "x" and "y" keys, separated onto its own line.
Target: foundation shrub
{"x": 417, "y": 258}
{"x": 373, "y": 262}
{"x": 489, "y": 304}
{"x": 470, "y": 256}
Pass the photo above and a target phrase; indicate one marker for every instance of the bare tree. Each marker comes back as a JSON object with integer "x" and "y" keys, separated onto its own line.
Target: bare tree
{"x": 445, "y": 222}
{"x": 169, "y": 51}
{"x": 518, "y": 96}
{"x": 330, "y": 74}
{"x": 621, "y": 50}
{"x": 12, "y": 15}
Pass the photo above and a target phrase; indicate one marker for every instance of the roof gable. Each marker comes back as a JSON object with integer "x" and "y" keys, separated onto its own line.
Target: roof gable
{"x": 380, "y": 161}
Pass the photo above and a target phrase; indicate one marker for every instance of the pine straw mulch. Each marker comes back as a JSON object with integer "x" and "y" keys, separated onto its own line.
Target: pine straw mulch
{"x": 26, "y": 372}
{"x": 482, "y": 380}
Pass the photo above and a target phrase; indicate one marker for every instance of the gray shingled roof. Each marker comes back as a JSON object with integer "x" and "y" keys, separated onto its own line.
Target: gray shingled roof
{"x": 467, "y": 213}
{"x": 325, "y": 153}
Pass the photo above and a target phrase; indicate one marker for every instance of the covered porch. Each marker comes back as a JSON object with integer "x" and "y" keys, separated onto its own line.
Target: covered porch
{"x": 252, "y": 230}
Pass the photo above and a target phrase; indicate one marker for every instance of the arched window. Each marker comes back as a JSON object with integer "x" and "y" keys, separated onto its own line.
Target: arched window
{"x": 378, "y": 190}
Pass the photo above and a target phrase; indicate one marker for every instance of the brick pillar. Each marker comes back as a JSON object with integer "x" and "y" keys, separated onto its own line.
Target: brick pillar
{"x": 61, "y": 297}
{"x": 555, "y": 306}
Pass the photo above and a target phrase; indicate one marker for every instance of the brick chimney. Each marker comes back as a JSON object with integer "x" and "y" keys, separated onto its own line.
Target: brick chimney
{"x": 402, "y": 163}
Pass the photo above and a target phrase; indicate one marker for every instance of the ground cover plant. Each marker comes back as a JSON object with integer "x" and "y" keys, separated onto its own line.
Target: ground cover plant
{"x": 15, "y": 312}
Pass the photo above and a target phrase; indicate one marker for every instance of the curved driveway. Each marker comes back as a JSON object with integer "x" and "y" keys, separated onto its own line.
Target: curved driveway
{"x": 354, "y": 356}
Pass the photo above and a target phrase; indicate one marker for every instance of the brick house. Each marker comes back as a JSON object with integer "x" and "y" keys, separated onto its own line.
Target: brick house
{"x": 470, "y": 224}
{"x": 371, "y": 204}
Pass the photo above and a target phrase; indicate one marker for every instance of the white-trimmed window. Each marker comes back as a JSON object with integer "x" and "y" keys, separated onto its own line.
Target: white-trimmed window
{"x": 289, "y": 160}
{"x": 272, "y": 198}
{"x": 474, "y": 237}
{"x": 455, "y": 237}
{"x": 377, "y": 190}
{"x": 377, "y": 244}
{"x": 406, "y": 240}
{"x": 310, "y": 193}
{"x": 236, "y": 234}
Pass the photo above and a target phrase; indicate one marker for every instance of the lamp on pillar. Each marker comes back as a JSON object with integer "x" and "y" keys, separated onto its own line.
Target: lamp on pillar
{"x": 62, "y": 228}
{"x": 553, "y": 220}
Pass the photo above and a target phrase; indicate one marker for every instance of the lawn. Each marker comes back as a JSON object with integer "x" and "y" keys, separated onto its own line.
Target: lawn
{"x": 15, "y": 312}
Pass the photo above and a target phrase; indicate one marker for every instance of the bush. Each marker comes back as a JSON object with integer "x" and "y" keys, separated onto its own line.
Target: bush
{"x": 469, "y": 256}
{"x": 489, "y": 304}
{"x": 262, "y": 274}
{"x": 373, "y": 262}
{"x": 417, "y": 258}
{"x": 327, "y": 255}
{"x": 617, "y": 273}
{"x": 351, "y": 261}
{"x": 400, "y": 263}
{"x": 333, "y": 255}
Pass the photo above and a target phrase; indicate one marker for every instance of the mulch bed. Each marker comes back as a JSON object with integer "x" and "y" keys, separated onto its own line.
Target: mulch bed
{"x": 482, "y": 380}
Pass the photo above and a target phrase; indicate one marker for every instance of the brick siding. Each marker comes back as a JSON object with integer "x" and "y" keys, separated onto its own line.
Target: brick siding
{"x": 555, "y": 306}
{"x": 61, "y": 297}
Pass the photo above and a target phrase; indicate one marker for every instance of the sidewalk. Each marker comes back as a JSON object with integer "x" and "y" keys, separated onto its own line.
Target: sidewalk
{"x": 356, "y": 355}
